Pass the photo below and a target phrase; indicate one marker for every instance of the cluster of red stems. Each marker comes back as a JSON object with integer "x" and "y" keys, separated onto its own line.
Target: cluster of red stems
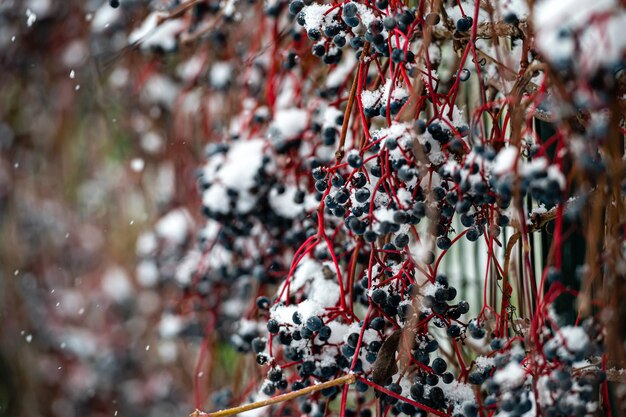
{"x": 355, "y": 148}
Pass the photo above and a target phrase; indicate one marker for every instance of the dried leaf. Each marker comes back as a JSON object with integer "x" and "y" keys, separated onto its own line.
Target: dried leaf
{"x": 385, "y": 365}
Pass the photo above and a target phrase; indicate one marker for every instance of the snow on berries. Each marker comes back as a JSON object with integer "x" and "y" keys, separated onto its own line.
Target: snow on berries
{"x": 372, "y": 147}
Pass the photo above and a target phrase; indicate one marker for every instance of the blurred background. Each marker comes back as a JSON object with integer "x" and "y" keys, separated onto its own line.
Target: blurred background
{"x": 97, "y": 201}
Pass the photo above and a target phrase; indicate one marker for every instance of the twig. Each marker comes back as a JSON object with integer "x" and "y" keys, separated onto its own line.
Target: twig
{"x": 486, "y": 30}
{"x": 537, "y": 221}
{"x": 346, "y": 118}
{"x": 346, "y": 379}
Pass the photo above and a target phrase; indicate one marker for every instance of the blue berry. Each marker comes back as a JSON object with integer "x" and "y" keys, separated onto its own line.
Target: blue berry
{"x": 272, "y": 326}
{"x": 314, "y": 34}
{"x": 444, "y": 243}
{"x": 314, "y": 323}
{"x": 417, "y": 391}
{"x": 379, "y": 296}
{"x": 464, "y": 24}
{"x": 351, "y": 21}
{"x": 297, "y": 319}
{"x": 439, "y": 366}
{"x": 275, "y": 375}
{"x": 377, "y": 323}
{"x": 355, "y": 160}
{"x": 295, "y": 7}
{"x": 362, "y": 195}
{"x": 263, "y": 303}
{"x": 389, "y": 23}
{"x": 324, "y": 333}
{"x": 349, "y": 9}
{"x": 258, "y": 345}
{"x": 339, "y": 40}
{"x": 401, "y": 240}
{"x": 453, "y": 330}
{"x": 356, "y": 42}
{"x": 397, "y": 55}
{"x": 472, "y": 234}
{"x": 476, "y": 378}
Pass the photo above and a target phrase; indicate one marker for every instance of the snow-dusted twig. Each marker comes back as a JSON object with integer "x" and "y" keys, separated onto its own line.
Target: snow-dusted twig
{"x": 346, "y": 379}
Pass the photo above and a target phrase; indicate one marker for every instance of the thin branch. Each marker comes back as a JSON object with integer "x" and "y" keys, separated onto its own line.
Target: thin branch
{"x": 486, "y": 30}
{"x": 346, "y": 379}
{"x": 346, "y": 118}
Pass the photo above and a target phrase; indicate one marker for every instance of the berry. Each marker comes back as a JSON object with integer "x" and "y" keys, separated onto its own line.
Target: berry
{"x": 439, "y": 366}
{"x": 349, "y": 9}
{"x": 361, "y": 195}
{"x": 324, "y": 333}
{"x": 397, "y": 55}
{"x": 272, "y": 326}
{"x": 444, "y": 243}
{"x": 295, "y": 7}
{"x": 263, "y": 303}
{"x": 314, "y": 323}
{"x": 401, "y": 240}
{"x": 275, "y": 375}
{"x": 314, "y": 34}
{"x": 378, "y": 323}
{"x": 472, "y": 234}
{"x": 339, "y": 40}
{"x": 417, "y": 391}
{"x": 258, "y": 345}
{"x": 447, "y": 378}
{"x": 464, "y": 24}
{"x": 320, "y": 185}
{"x": 379, "y": 296}
{"x": 382, "y": 4}
{"x": 355, "y": 160}
{"x": 356, "y": 42}
{"x": 297, "y": 319}
{"x": 389, "y": 23}
{"x": 453, "y": 330}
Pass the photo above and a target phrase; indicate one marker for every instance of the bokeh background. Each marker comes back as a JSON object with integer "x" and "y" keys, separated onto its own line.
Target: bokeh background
{"x": 96, "y": 174}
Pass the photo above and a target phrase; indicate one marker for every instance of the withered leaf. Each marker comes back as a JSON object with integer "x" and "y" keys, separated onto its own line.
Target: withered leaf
{"x": 385, "y": 365}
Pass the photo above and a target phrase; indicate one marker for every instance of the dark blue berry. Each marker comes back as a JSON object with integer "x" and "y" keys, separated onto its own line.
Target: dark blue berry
{"x": 444, "y": 243}
{"x": 349, "y": 9}
{"x": 314, "y": 34}
{"x": 263, "y": 303}
{"x": 361, "y": 195}
{"x": 324, "y": 333}
{"x": 355, "y": 160}
{"x": 464, "y": 24}
{"x": 378, "y": 323}
{"x": 439, "y": 366}
{"x": 295, "y": 7}
{"x": 273, "y": 326}
{"x": 314, "y": 323}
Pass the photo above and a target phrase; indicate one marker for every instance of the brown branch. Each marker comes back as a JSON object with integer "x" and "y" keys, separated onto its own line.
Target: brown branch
{"x": 616, "y": 372}
{"x": 486, "y": 30}
{"x": 346, "y": 379}
{"x": 177, "y": 12}
{"x": 537, "y": 221}
{"x": 346, "y": 118}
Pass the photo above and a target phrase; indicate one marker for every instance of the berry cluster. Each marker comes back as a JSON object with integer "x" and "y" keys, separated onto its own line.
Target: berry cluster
{"x": 337, "y": 198}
